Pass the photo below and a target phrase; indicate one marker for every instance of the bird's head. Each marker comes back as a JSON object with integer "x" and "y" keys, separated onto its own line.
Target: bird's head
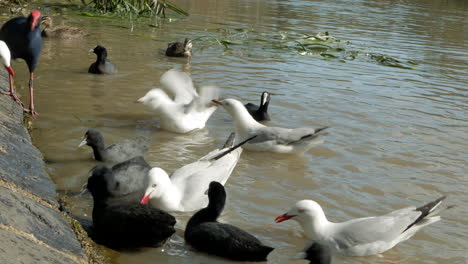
{"x": 157, "y": 182}
{"x": 34, "y": 19}
{"x": 5, "y": 57}
{"x": 92, "y": 138}
{"x": 99, "y": 51}
{"x": 302, "y": 212}
{"x": 154, "y": 98}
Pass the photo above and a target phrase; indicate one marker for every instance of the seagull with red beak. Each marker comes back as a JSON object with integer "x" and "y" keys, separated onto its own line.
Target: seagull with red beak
{"x": 22, "y": 35}
{"x": 362, "y": 236}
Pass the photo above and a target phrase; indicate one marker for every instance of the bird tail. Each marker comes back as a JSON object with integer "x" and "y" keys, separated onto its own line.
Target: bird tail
{"x": 427, "y": 213}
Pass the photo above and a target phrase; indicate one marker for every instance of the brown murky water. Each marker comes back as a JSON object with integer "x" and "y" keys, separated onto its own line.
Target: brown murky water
{"x": 398, "y": 136}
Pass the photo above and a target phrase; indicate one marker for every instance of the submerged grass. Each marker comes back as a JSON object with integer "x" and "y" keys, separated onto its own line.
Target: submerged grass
{"x": 280, "y": 44}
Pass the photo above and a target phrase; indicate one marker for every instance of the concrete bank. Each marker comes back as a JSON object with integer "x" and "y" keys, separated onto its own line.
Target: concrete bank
{"x": 32, "y": 229}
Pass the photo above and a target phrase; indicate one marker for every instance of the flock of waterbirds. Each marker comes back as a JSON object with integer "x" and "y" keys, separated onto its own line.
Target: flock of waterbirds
{"x": 132, "y": 200}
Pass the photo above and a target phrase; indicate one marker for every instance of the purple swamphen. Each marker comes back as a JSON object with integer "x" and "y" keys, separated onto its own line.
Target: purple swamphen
{"x": 23, "y": 37}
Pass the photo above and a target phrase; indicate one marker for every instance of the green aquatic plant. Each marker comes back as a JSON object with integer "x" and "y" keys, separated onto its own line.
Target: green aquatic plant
{"x": 138, "y": 7}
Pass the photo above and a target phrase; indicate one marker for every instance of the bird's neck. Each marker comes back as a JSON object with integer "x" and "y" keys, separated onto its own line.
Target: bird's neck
{"x": 315, "y": 226}
{"x": 98, "y": 150}
{"x": 244, "y": 120}
{"x": 170, "y": 198}
{"x": 101, "y": 58}
{"x": 208, "y": 214}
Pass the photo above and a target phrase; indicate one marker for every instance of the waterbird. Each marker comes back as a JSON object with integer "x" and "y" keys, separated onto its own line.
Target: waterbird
{"x": 179, "y": 106}
{"x": 23, "y": 38}
{"x": 205, "y": 234}
{"x": 115, "y": 153}
{"x": 63, "y": 32}
{"x": 127, "y": 225}
{"x": 274, "y": 139}
{"x": 179, "y": 49}
{"x": 361, "y": 236}
{"x": 126, "y": 181}
{"x": 102, "y": 65}
{"x": 184, "y": 190}
{"x": 260, "y": 112}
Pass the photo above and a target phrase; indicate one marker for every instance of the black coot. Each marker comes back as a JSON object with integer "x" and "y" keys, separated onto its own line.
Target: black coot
{"x": 102, "y": 64}
{"x": 318, "y": 254}
{"x": 126, "y": 181}
{"x": 178, "y": 49}
{"x": 122, "y": 226}
{"x": 23, "y": 37}
{"x": 224, "y": 240}
{"x": 117, "y": 152}
{"x": 260, "y": 113}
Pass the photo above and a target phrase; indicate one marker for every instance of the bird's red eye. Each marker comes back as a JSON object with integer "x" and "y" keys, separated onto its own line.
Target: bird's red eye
{"x": 154, "y": 185}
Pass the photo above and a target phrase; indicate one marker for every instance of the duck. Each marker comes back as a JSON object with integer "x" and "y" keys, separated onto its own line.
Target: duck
{"x": 179, "y": 49}
{"x": 102, "y": 64}
{"x": 204, "y": 233}
{"x": 361, "y": 236}
{"x": 126, "y": 225}
{"x": 271, "y": 139}
{"x": 115, "y": 153}
{"x": 59, "y": 32}
{"x": 179, "y": 106}
{"x": 184, "y": 190}
{"x": 260, "y": 112}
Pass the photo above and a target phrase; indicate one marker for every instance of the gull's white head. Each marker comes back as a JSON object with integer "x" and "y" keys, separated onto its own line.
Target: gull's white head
{"x": 154, "y": 98}
{"x": 157, "y": 183}
{"x": 303, "y": 211}
{"x": 236, "y": 109}
{"x": 5, "y": 57}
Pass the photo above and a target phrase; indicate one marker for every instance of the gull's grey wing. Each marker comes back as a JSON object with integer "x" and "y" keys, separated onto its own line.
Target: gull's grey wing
{"x": 371, "y": 229}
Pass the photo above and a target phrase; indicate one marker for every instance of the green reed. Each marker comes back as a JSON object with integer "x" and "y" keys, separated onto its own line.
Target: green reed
{"x": 138, "y": 7}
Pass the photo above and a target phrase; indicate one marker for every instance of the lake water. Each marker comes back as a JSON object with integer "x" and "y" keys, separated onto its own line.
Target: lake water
{"x": 398, "y": 136}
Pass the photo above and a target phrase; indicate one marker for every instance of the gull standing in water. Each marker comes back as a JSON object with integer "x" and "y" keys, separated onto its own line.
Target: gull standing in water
{"x": 184, "y": 190}
{"x": 178, "y": 105}
{"x": 362, "y": 236}
{"x": 275, "y": 139}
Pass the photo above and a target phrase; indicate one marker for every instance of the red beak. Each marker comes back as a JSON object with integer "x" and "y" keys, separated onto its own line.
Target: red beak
{"x": 283, "y": 217}
{"x": 10, "y": 70}
{"x": 145, "y": 199}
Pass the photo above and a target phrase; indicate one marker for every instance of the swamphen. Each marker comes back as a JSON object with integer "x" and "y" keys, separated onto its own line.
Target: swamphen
{"x": 23, "y": 37}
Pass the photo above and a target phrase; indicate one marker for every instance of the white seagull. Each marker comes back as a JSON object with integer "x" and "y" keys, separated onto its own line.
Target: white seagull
{"x": 178, "y": 105}
{"x": 184, "y": 190}
{"x": 275, "y": 139}
{"x": 362, "y": 236}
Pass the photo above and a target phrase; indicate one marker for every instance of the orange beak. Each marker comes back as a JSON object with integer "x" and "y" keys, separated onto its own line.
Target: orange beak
{"x": 145, "y": 199}
{"x": 283, "y": 217}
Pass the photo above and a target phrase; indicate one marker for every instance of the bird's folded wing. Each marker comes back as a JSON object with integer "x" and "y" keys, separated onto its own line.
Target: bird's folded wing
{"x": 384, "y": 228}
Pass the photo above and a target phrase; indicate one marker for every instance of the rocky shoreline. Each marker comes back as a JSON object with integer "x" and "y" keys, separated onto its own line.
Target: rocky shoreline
{"x": 32, "y": 227}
